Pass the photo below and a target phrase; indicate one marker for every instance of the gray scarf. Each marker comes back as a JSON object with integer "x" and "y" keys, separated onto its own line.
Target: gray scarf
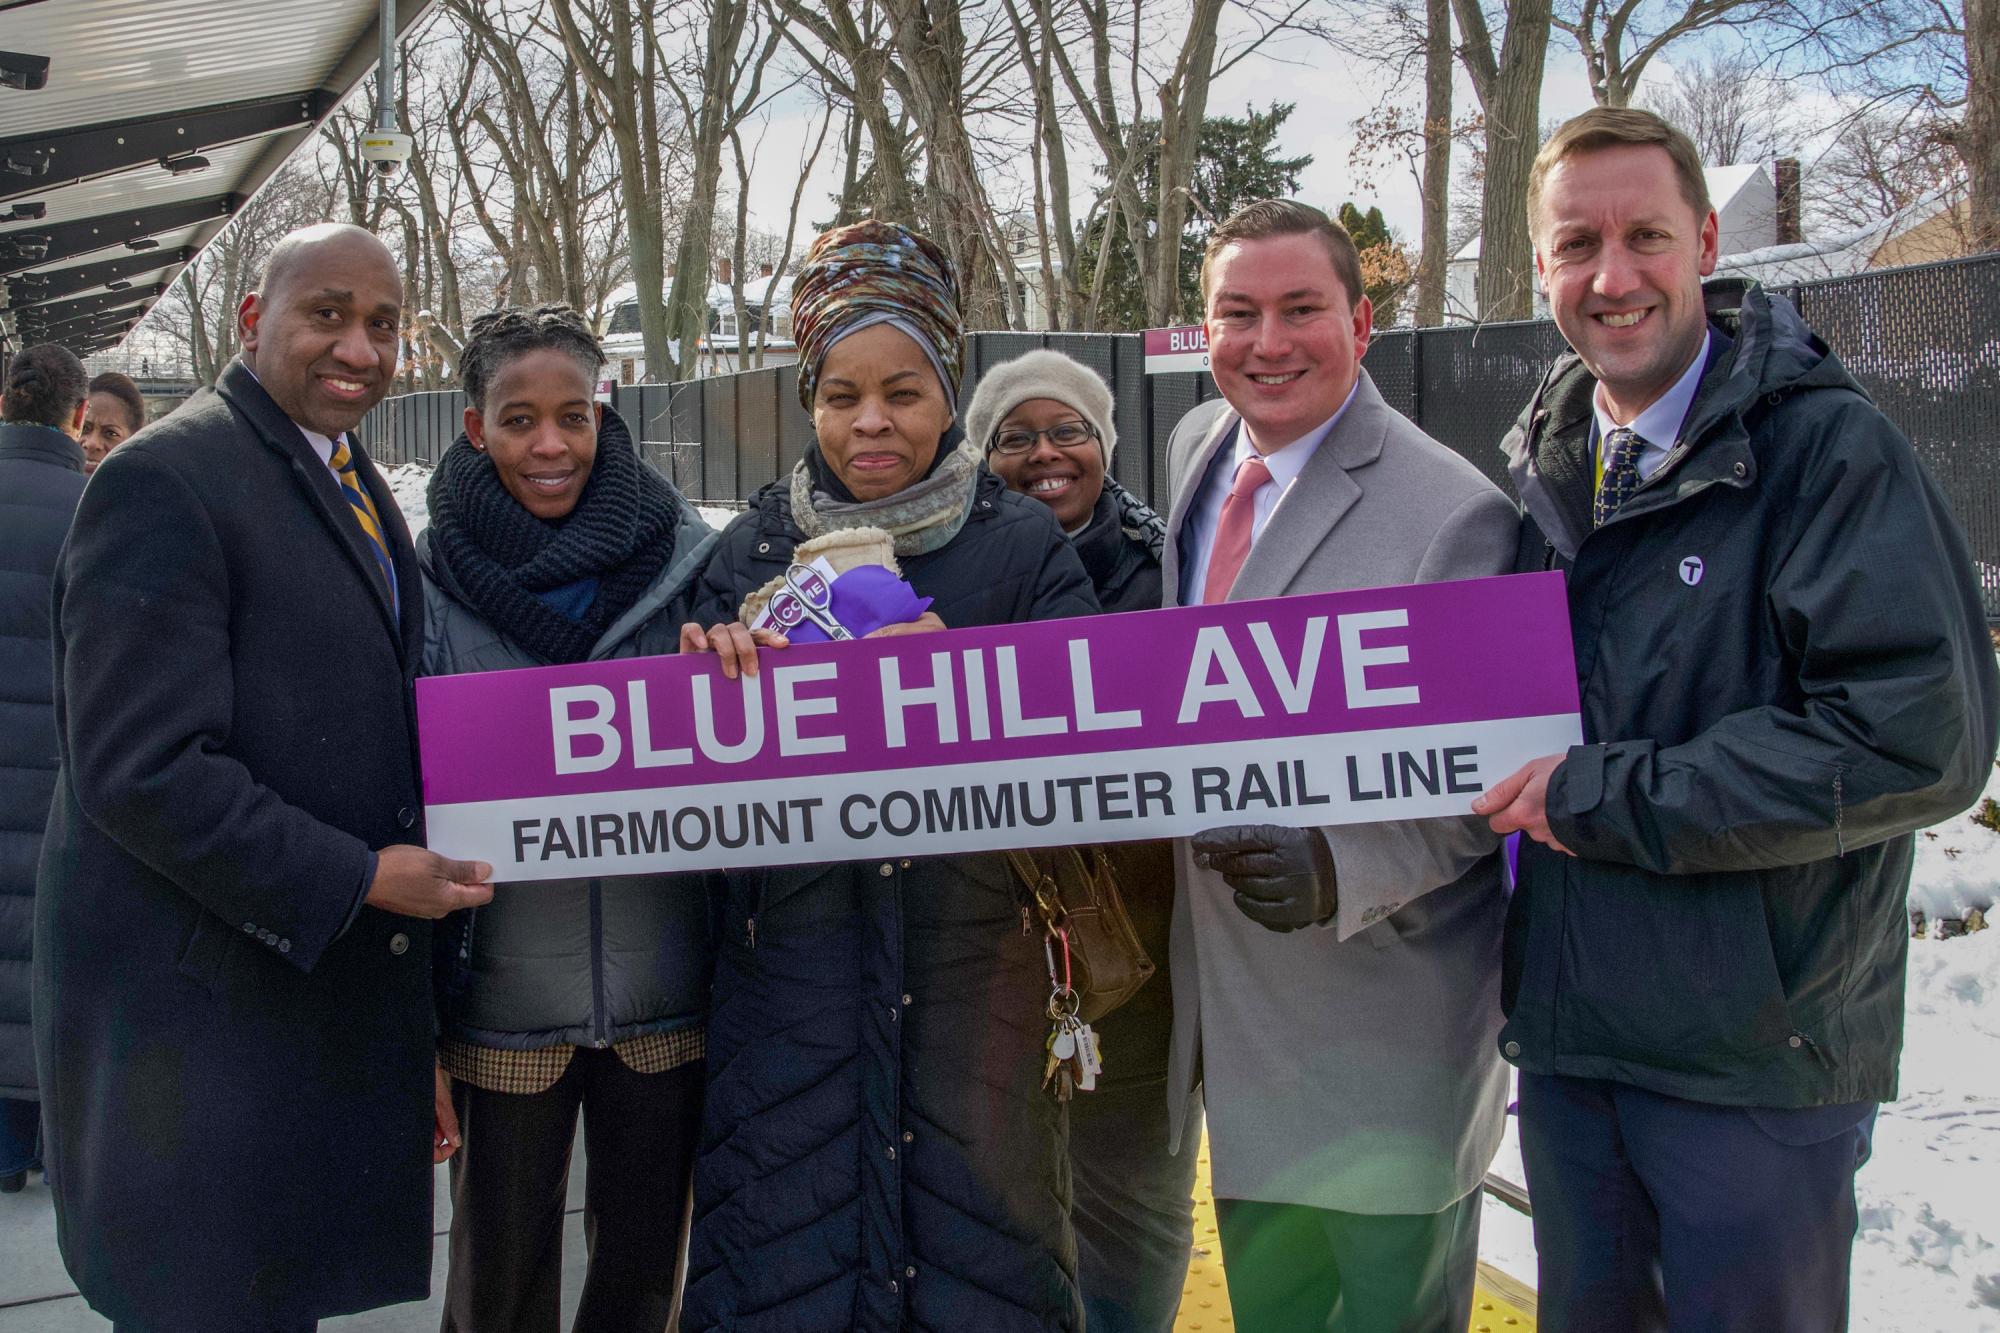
{"x": 921, "y": 517}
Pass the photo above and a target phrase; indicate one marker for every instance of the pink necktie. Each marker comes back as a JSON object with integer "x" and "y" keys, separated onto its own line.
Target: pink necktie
{"x": 1232, "y": 531}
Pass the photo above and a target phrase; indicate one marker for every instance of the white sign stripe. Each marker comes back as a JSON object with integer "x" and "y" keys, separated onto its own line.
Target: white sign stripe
{"x": 1350, "y": 778}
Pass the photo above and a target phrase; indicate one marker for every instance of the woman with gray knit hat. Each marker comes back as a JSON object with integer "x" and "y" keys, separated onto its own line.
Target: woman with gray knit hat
{"x": 1045, "y": 424}
{"x": 877, "y": 1149}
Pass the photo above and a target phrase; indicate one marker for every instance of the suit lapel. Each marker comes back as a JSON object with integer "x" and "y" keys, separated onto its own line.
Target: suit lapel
{"x": 1323, "y": 493}
{"x": 280, "y": 433}
{"x": 1186, "y": 493}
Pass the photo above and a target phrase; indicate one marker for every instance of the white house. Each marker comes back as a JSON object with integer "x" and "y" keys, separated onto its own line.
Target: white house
{"x": 1930, "y": 229}
{"x": 625, "y": 346}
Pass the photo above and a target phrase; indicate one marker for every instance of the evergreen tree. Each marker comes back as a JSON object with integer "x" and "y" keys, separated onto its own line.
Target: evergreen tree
{"x": 1386, "y": 271}
{"x": 1236, "y": 163}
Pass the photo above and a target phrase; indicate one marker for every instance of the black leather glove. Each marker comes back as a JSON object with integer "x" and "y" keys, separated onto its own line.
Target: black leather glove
{"x": 1283, "y": 877}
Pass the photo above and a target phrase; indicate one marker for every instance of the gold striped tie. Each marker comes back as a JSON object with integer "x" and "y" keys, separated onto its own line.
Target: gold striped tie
{"x": 364, "y": 513}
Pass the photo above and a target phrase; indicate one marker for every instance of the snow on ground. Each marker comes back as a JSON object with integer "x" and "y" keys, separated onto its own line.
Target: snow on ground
{"x": 408, "y": 481}
{"x": 1958, "y": 864}
{"x": 1928, "y": 1257}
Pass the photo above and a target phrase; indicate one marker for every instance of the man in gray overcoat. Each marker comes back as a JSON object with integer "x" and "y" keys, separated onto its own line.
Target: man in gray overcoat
{"x": 1336, "y": 990}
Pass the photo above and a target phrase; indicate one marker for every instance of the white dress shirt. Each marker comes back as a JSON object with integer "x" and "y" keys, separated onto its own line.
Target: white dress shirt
{"x": 1659, "y": 425}
{"x": 1205, "y": 514}
{"x": 321, "y": 446}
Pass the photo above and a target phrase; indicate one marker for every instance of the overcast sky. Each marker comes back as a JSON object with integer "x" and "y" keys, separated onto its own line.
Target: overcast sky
{"x": 1330, "y": 95}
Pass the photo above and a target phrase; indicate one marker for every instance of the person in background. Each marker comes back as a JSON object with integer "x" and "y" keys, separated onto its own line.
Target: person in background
{"x": 878, "y": 1150}
{"x": 1045, "y": 424}
{"x": 1336, "y": 990}
{"x": 114, "y": 413}
{"x": 551, "y": 541}
{"x": 41, "y": 479}
{"x": 1785, "y": 672}
{"x": 232, "y": 974}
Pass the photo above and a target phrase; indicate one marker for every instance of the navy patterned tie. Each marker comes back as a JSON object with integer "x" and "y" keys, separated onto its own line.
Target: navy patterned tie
{"x": 1622, "y": 448}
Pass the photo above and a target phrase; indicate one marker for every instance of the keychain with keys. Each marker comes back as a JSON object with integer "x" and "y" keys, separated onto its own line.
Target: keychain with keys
{"x": 1074, "y": 1060}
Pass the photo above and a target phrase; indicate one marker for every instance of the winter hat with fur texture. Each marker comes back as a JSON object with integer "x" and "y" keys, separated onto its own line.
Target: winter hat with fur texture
{"x": 1042, "y": 373}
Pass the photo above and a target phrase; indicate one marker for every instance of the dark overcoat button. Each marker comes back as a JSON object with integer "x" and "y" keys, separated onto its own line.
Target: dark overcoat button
{"x": 399, "y": 943}
{"x": 406, "y": 817}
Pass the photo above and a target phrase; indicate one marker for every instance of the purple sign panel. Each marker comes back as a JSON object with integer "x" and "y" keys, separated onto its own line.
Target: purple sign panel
{"x": 1333, "y": 708}
{"x": 1168, "y": 351}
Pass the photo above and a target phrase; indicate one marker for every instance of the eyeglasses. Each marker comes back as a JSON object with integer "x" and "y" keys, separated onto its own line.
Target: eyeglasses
{"x": 1063, "y": 435}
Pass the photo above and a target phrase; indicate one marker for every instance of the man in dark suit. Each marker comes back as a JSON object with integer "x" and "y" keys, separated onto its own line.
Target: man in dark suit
{"x": 232, "y": 995}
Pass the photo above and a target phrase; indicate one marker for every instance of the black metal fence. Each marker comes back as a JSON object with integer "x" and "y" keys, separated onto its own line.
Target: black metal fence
{"x": 1925, "y": 341}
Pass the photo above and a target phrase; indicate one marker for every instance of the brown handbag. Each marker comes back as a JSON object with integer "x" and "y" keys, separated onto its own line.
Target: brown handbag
{"x": 1075, "y": 889}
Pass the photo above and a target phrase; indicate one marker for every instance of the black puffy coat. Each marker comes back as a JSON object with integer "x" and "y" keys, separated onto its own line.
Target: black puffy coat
{"x": 41, "y": 479}
{"x": 1784, "y": 670}
{"x": 877, "y": 1151}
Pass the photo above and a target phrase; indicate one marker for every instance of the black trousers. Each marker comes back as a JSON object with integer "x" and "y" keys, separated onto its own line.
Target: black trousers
{"x": 509, "y": 1181}
{"x": 1133, "y": 1200}
{"x": 1655, "y": 1214}
{"x": 1294, "y": 1269}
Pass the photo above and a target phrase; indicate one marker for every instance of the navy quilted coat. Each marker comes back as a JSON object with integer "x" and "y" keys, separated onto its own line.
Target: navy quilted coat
{"x": 41, "y": 479}
{"x": 877, "y": 1152}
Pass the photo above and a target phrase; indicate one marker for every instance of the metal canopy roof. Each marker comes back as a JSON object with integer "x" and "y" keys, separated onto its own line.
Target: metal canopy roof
{"x": 98, "y": 212}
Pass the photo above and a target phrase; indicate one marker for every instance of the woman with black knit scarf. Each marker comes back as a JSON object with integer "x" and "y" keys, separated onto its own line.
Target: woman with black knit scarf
{"x": 552, "y": 541}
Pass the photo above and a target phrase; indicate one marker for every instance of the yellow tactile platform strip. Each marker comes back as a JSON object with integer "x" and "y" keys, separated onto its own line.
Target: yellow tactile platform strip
{"x": 1501, "y": 1305}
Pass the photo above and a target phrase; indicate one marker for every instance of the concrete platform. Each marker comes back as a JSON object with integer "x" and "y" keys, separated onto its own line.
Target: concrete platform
{"x": 36, "y": 1295}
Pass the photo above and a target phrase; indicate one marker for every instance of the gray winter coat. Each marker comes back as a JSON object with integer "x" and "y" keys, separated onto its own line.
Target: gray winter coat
{"x": 583, "y": 962}
{"x": 1784, "y": 671}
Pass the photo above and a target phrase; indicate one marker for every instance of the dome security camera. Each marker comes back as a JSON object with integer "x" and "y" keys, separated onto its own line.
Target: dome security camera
{"x": 386, "y": 150}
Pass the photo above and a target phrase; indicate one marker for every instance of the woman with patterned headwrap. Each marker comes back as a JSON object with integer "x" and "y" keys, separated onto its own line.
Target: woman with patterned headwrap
{"x": 877, "y": 1149}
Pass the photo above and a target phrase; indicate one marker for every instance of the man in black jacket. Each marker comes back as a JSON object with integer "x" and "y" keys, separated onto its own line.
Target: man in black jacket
{"x": 41, "y": 477}
{"x": 232, "y": 937}
{"x": 1784, "y": 671}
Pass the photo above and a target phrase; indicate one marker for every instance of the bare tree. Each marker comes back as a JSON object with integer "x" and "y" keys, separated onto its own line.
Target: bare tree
{"x": 1112, "y": 48}
{"x": 1399, "y": 37}
{"x": 850, "y": 49}
{"x": 940, "y": 67}
{"x": 1732, "y": 110}
{"x": 1434, "y": 251}
{"x": 1055, "y": 242}
{"x": 615, "y": 46}
{"x": 1508, "y": 82}
{"x": 1619, "y": 39}
{"x": 783, "y": 261}
{"x": 1882, "y": 162}
{"x": 541, "y": 171}
{"x": 717, "y": 82}
{"x": 1934, "y": 62}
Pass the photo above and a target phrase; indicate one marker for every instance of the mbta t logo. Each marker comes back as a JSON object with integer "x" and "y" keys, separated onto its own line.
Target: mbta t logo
{"x": 1692, "y": 569}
